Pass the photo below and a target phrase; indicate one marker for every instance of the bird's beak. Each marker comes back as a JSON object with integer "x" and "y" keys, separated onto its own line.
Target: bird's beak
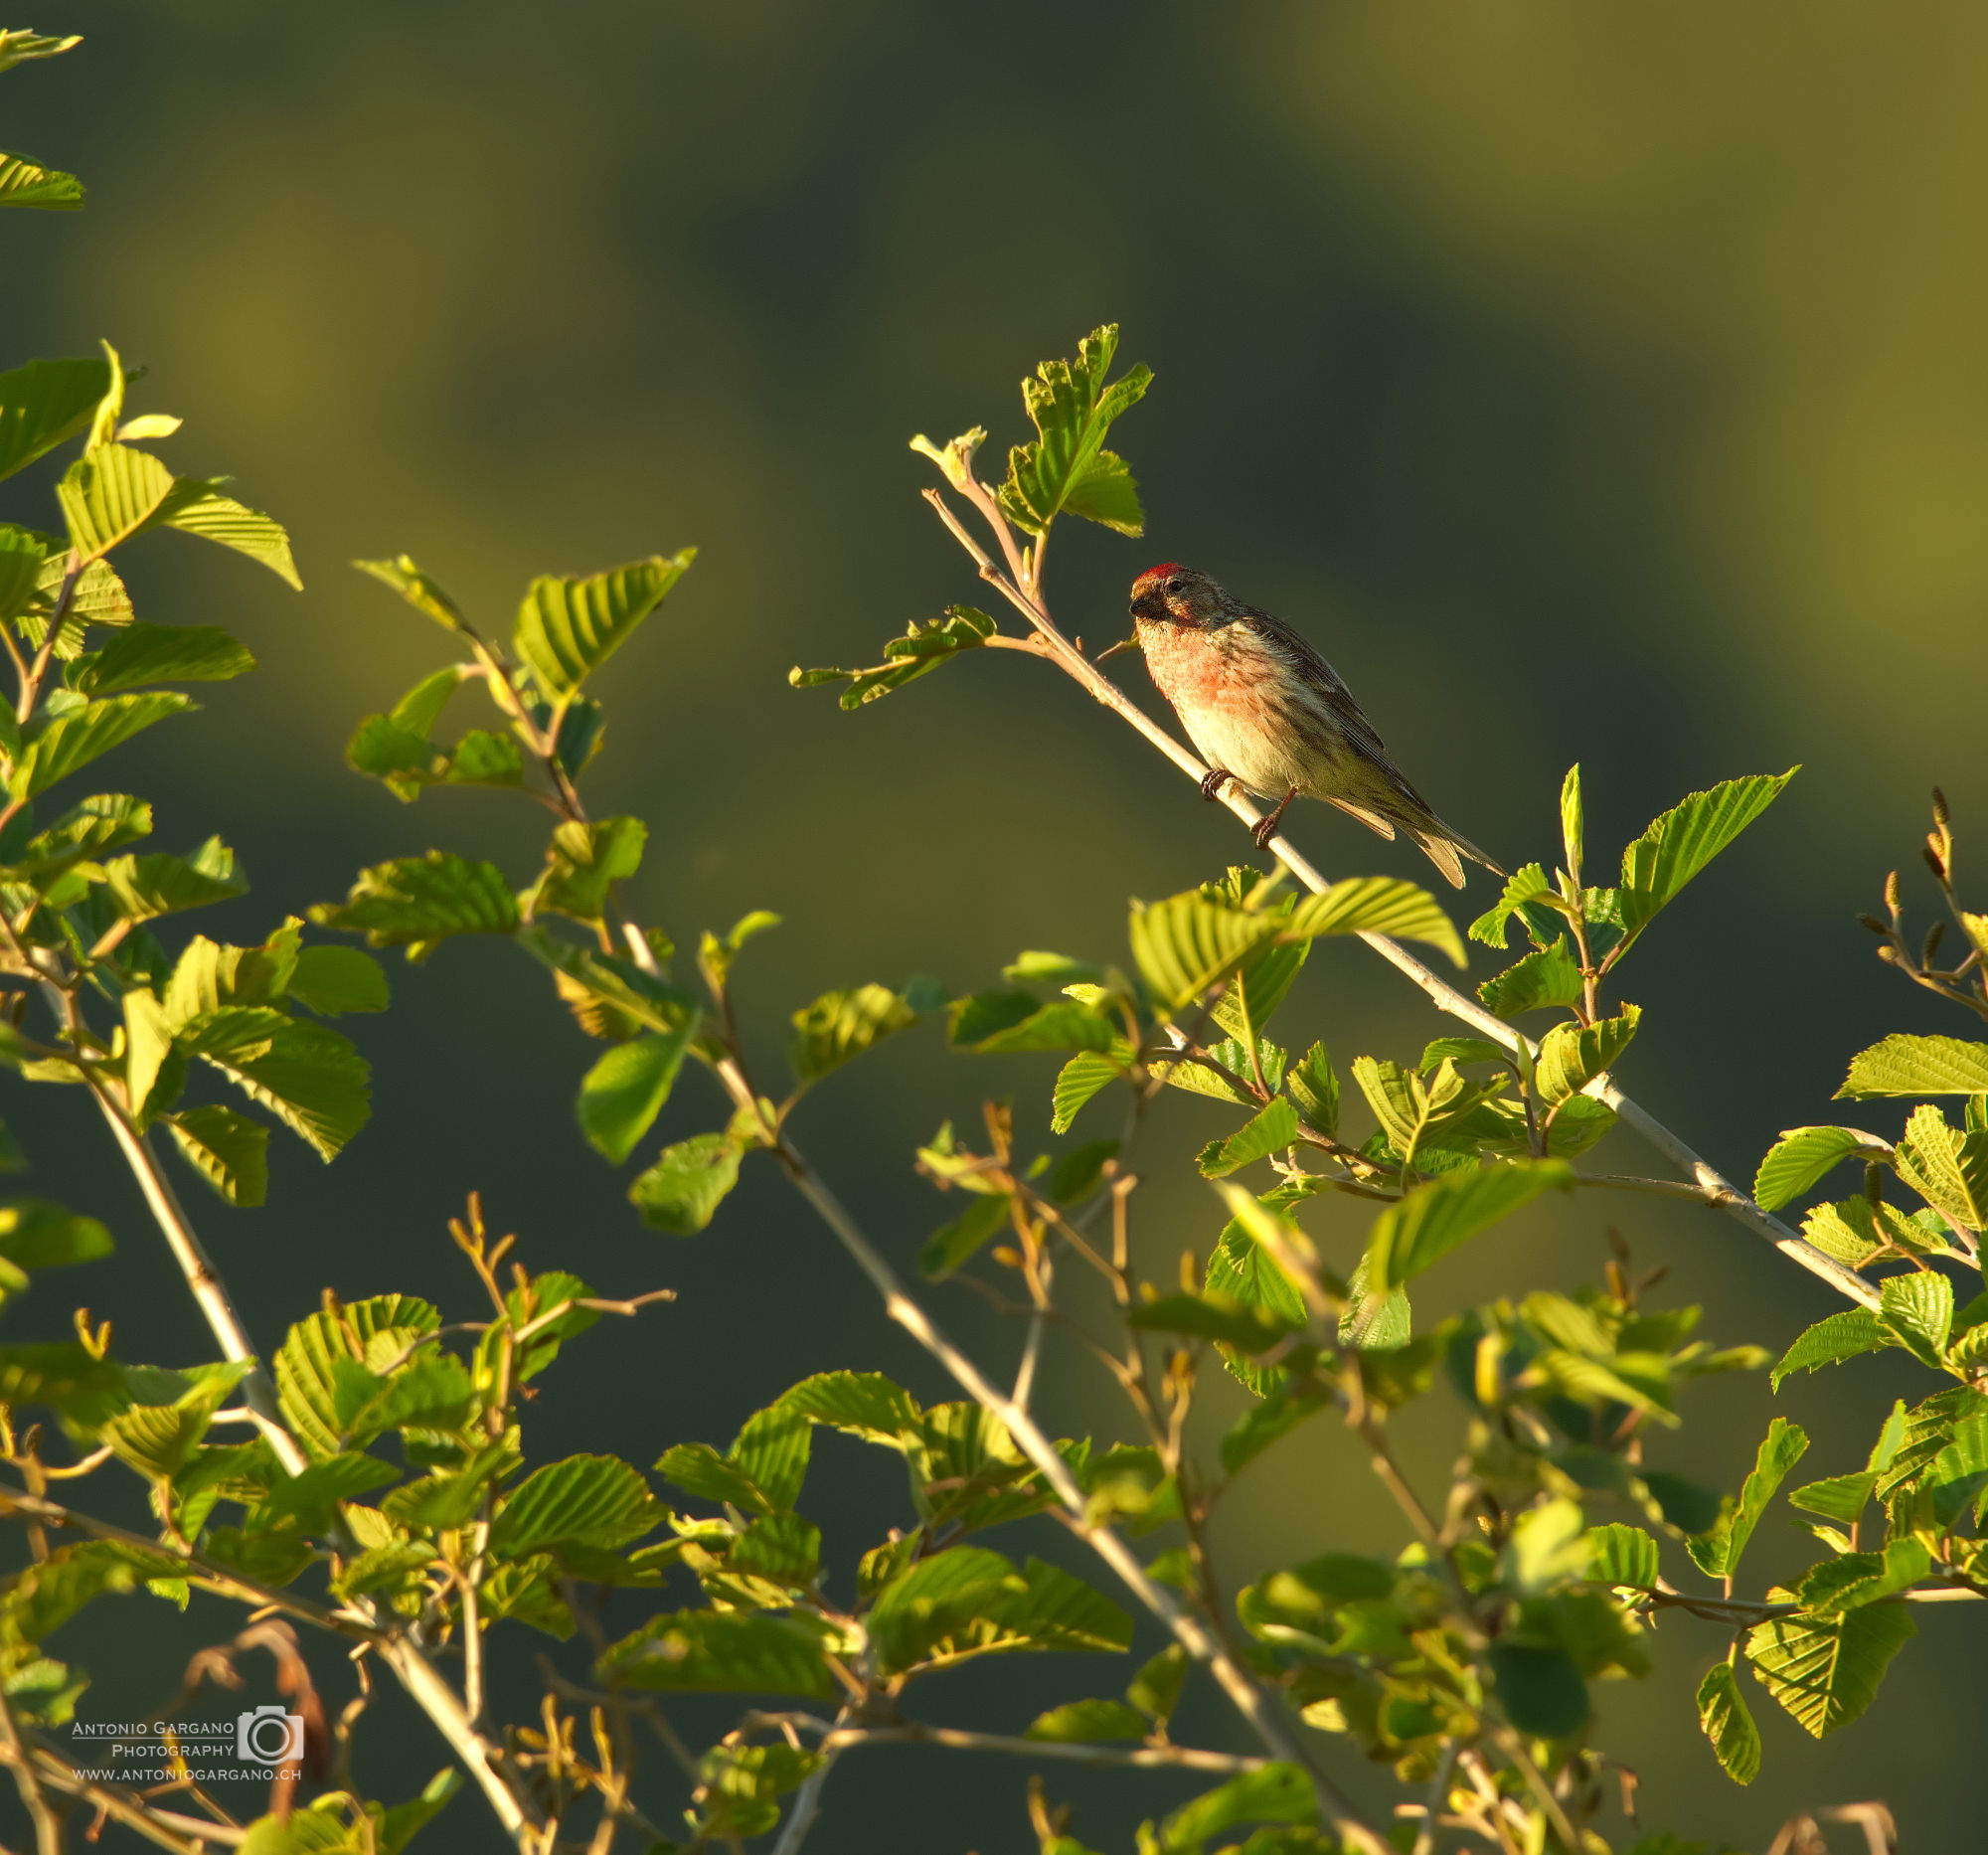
{"x": 1147, "y": 605}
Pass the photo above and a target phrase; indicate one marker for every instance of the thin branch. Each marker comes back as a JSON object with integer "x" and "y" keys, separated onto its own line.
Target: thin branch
{"x": 837, "y": 1738}
{"x": 1053, "y": 644}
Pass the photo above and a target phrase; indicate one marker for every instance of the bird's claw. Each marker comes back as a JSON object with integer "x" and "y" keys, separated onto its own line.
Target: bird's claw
{"x": 1261, "y": 832}
{"x": 1213, "y": 782}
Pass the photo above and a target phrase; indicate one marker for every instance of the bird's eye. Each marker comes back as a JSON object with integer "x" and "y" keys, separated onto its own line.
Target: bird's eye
{"x": 1175, "y": 586}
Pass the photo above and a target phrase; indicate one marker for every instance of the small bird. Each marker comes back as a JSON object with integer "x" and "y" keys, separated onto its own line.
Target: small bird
{"x": 1268, "y": 712}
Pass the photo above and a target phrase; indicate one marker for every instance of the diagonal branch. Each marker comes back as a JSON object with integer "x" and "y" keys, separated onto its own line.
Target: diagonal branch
{"x": 1047, "y": 641}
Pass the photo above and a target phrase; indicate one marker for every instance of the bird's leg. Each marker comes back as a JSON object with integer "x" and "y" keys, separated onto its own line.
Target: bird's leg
{"x": 1213, "y": 782}
{"x": 1267, "y": 828}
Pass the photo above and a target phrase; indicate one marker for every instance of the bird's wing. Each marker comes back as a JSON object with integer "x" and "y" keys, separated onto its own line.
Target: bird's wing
{"x": 1329, "y": 684}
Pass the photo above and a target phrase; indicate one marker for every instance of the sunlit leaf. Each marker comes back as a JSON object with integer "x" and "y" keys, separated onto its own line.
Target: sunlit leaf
{"x": 568, "y": 627}
{"x": 1903, "y": 1065}
{"x": 1065, "y": 465}
{"x": 1680, "y": 843}
{"x": 1433, "y": 1219}
{"x": 1723, "y": 1718}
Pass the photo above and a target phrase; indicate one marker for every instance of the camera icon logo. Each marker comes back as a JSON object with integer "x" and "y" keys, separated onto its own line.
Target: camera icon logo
{"x": 270, "y": 1736}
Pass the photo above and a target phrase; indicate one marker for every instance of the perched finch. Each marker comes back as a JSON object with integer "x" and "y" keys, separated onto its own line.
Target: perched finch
{"x": 1268, "y": 712}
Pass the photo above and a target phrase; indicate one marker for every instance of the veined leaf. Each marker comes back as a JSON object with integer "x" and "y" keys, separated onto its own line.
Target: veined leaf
{"x": 723, "y": 1652}
{"x": 841, "y": 1025}
{"x": 1088, "y": 1720}
{"x": 1188, "y": 942}
{"x": 1723, "y": 1718}
{"x": 1433, "y": 1219}
{"x": 922, "y": 648}
{"x": 1313, "y": 1085}
{"x": 145, "y": 887}
{"x": 415, "y": 900}
{"x": 622, "y": 1093}
{"x": 1270, "y": 1131}
{"x": 1065, "y": 465}
{"x": 585, "y": 1500}
{"x": 1903, "y": 1065}
{"x": 334, "y": 980}
{"x": 1383, "y": 904}
{"x": 568, "y": 627}
{"x": 1571, "y": 1056}
{"x": 44, "y": 402}
{"x": 1546, "y": 976}
{"x": 23, "y": 555}
{"x": 1854, "y": 1579}
{"x": 968, "y": 1601}
{"x": 1079, "y": 1079}
{"x": 1242, "y": 1272}
{"x": 47, "y": 189}
{"x": 1800, "y": 1158}
{"x": 861, "y": 1404}
{"x": 198, "y": 508}
{"x": 1623, "y": 1555}
{"x": 227, "y": 1149}
{"x": 1918, "y": 1312}
{"x": 307, "y": 1074}
{"x": 1527, "y": 890}
{"x": 1680, "y": 843}
{"x": 585, "y": 861}
{"x": 1948, "y": 1169}
{"x": 160, "y": 653}
{"x": 1825, "y": 1670}
{"x": 1277, "y": 1794}
{"x": 414, "y": 586}
{"x": 1717, "y": 1554}
{"x": 108, "y": 494}
{"x": 64, "y": 744}
{"x": 682, "y": 1191}
{"x": 1836, "y": 1337}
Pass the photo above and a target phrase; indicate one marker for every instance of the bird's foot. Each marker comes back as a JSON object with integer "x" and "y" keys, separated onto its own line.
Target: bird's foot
{"x": 1213, "y": 782}
{"x": 1264, "y": 829}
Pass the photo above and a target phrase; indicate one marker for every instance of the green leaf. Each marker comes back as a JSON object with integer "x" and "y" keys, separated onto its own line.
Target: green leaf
{"x": 1315, "y": 1086}
{"x": 23, "y": 556}
{"x": 1549, "y": 977}
{"x": 1270, "y": 1131}
{"x": 108, "y": 494}
{"x": 1835, "y": 1338}
{"x": 1156, "y": 1689}
{"x": 1383, "y": 904}
{"x": 1065, "y": 465}
{"x": 1717, "y": 1553}
{"x": 1948, "y": 1169}
{"x": 1723, "y": 1718}
{"x": 1433, "y": 1219}
{"x": 44, "y": 403}
{"x": 1062, "y": 1024}
{"x": 334, "y": 980}
{"x": 1188, "y": 942}
{"x": 22, "y": 44}
{"x": 1855, "y": 1578}
{"x": 414, "y": 586}
{"x": 1077, "y": 1721}
{"x": 585, "y": 1500}
{"x": 862, "y": 1404}
{"x": 1680, "y": 843}
{"x": 1277, "y": 1794}
{"x": 1903, "y": 1065}
{"x": 568, "y": 627}
{"x": 62, "y": 744}
{"x": 227, "y": 1149}
{"x": 959, "y": 1242}
{"x": 723, "y": 1652}
{"x": 1800, "y": 1158}
{"x": 415, "y": 900}
{"x": 773, "y": 1447}
{"x": 1540, "y": 1688}
{"x": 585, "y": 861}
{"x": 1525, "y": 890}
{"x": 698, "y": 1468}
{"x": 307, "y": 1074}
{"x": 1242, "y": 1274}
{"x": 682, "y": 1191}
{"x": 145, "y": 887}
{"x": 1623, "y": 1555}
{"x": 1077, "y": 1173}
{"x": 1824, "y": 1671}
{"x": 45, "y": 188}
{"x": 1918, "y": 1312}
{"x": 1079, "y": 1079}
{"x": 622, "y": 1093}
{"x": 398, "y": 1824}
{"x": 842, "y": 1024}
{"x": 968, "y": 1601}
{"x": 1250, "y": 1327}
{"x": 922, "y": 648}
{"x": 198, "y": 508}
{"x": 35, "y": 1234}
{"x": 105, "y": 822}
{"x": 1571, "y": 1056}
{"x": 307, "y": 1361}
{"x": 160, "y": 653}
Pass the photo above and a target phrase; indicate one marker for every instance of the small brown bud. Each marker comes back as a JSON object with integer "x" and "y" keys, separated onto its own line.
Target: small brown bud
{"x": 1873, "y": 922}
{"x": 1940, "y": 814}
{"x": 1935, "y": 934}
{"x": 1934, "y": 861}
{"x": 1889, "y": 955}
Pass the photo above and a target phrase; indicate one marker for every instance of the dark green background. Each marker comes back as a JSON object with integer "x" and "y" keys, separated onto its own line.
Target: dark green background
{"x": 1598, "y": 384}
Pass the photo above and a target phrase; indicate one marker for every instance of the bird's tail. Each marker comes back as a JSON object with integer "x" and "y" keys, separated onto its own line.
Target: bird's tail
{"x": 1443, "y": 847}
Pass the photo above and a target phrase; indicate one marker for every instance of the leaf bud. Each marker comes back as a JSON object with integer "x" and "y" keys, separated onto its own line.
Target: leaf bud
{"x": 1891, "y": 892}
{"x": 1873, "y": 922}
{"x": 1940, "y": 816}
{"x": 1934, "y": 861}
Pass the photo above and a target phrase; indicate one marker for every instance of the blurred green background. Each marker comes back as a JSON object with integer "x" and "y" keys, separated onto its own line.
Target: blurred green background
{"x": 1590, "y": 383}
